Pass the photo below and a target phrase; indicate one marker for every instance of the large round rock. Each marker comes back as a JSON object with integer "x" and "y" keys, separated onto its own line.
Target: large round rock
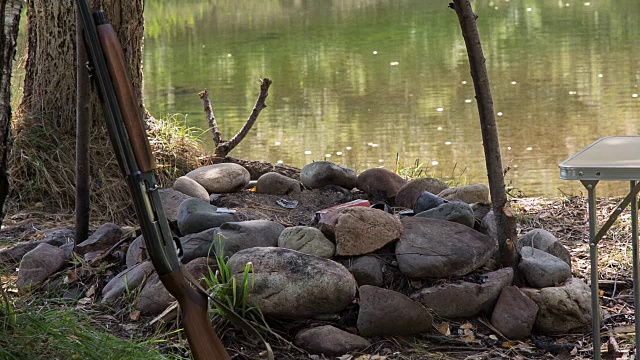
{"x": 441, "y": 249}
{"x": 221, "y": 178}
{"x": 290, "y": 284}
{"x": 322, "y": 173}
{"x": 380, "y": 183}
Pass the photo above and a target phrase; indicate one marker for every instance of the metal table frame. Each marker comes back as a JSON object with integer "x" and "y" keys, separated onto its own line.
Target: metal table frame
{"x": 608, "y": 158}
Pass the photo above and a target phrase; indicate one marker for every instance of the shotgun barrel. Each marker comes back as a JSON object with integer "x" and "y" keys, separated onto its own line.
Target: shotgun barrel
{"x": 131, "y": 145}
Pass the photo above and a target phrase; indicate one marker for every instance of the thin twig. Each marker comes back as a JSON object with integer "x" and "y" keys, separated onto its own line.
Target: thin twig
{"x": 223, "y": 149}
{"x": 211, "y": 118}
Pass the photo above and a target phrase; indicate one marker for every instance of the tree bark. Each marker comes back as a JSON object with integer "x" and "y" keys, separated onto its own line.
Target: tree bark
{"x": 504, "y": 215}
{"x": 50, "y": 84}
{"x": 9, "y": 9}
{"x": 45, "y": 124}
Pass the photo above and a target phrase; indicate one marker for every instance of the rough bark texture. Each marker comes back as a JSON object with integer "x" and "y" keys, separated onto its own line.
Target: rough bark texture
{"x": 504, "y": 215}
{"x": 43, "y": 160}
{"x": 10, "y": 18}
{"x": 50, "y": 81}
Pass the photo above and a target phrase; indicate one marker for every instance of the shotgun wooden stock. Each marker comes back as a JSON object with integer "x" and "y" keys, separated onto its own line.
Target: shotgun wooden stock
{"x": 194, "y": 306}
{"x": 124, "y": 93}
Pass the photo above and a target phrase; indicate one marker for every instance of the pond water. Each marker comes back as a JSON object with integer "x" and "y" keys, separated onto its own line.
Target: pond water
{"x": 360, "y": 82}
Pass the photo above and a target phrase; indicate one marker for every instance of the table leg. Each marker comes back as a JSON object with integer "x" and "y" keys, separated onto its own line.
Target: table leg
{"x": 593, "y": 254}
{"x": 636, "y": 285}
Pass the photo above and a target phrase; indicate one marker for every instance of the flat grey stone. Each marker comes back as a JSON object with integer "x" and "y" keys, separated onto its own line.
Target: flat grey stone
{"x": 195, "y": 215}
{"x": 452, "y": 211}
{"x": 236, "y": 236}
{"x": 542, "y": 269}
{"x": 441, "y": 249}
{"x": 463, "y": 299}
{"x": 103, "y": 238}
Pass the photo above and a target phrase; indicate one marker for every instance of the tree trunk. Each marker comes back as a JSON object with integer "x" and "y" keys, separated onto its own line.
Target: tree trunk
{"x": 50, "y": 81}
{"x": 504, "y": 215}
{"x": 45, "y": 123}
{"x": 9, "y": 10}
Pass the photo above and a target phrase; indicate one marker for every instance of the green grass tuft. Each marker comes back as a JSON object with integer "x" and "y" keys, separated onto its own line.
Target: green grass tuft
{"x": 66, "y": 334}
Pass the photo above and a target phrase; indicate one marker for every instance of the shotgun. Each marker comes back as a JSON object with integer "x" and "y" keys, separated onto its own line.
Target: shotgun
{"x": 131, "y": 145}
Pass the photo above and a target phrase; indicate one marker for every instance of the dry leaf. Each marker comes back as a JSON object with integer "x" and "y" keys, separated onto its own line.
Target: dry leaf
{"x": 345, "y": 357}
{"x": 135, "y": 315}
{"x": 444, "y": 328}
{"x": 130, "y": 327}
{"x": 469, "y": 338}
{"x": 91, "y": 292}
{"x": 508, "y": 211}
{"x": 70, "y": 277}
{"x": 85, "y": 301}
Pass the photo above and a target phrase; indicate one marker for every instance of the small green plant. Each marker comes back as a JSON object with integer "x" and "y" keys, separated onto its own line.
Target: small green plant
{"x": 7, "y": 314}
{"x": 418, "y": 170}
{"x": 224, "y": 287}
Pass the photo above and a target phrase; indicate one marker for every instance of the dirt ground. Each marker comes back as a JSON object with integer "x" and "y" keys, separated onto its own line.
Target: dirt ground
{"x": 566, "y": 218}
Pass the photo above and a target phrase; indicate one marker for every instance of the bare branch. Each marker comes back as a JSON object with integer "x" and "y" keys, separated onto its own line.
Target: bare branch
{"x": 211, "y": 118}
{"x": 504, "y": 215}
{"x": 225, "y": 148}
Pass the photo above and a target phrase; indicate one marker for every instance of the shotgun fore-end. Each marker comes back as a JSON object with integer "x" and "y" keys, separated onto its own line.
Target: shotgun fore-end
{"x": 126, "y": 99}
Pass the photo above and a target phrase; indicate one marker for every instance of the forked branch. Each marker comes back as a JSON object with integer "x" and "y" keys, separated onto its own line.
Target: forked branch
{"x": 223, "y": 148}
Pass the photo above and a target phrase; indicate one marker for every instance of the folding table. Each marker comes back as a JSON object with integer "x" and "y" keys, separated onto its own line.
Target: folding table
{"x": 607, "y": 159}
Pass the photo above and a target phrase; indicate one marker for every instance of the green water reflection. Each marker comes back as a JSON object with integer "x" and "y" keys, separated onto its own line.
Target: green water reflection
{"x": 362, "y": 80}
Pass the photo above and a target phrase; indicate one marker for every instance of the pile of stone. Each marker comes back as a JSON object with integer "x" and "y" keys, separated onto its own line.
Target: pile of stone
{"x": 340, "y": 263}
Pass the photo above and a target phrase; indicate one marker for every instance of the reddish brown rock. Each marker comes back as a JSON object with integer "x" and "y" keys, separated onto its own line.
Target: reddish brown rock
{"x": 380, "y": 183}
{"x": 360, "y": 230}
